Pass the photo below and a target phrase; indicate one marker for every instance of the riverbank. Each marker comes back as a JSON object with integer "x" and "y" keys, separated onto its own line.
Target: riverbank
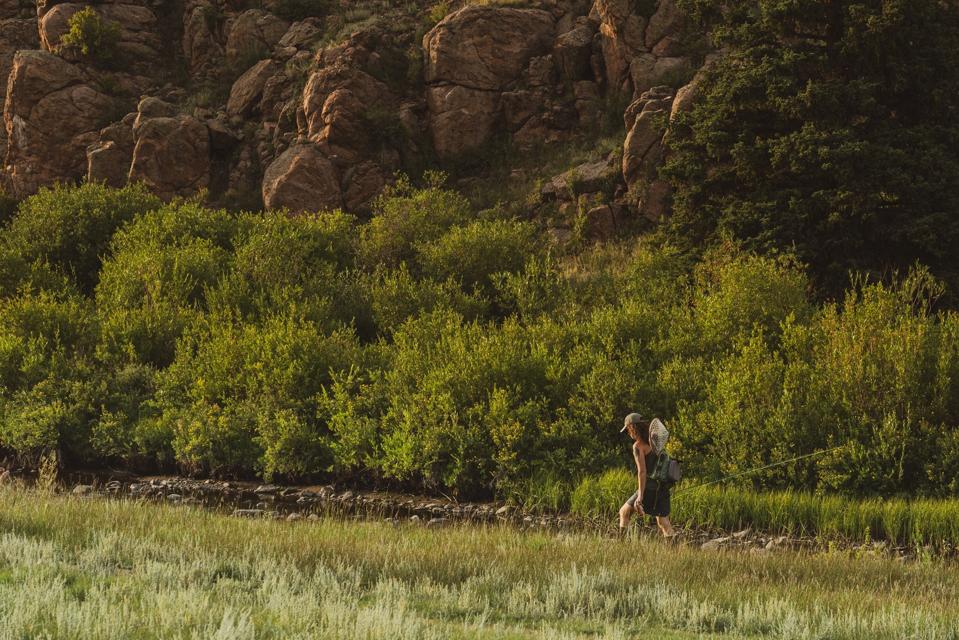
{"x": 713, "y": 518}
{"x": 89, "y": 568}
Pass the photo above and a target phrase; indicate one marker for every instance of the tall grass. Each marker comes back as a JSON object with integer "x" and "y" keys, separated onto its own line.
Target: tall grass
{"x": 91, "y": 569}
{"x": 898, "y": 521}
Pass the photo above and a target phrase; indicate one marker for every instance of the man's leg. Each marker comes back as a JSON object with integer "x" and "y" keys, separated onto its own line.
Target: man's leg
{"x": 665, "y": 526}
{"x": 625, "y": 512}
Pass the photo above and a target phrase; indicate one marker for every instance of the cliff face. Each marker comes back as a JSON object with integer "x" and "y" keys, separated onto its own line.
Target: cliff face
{"x": 311, "y": 105}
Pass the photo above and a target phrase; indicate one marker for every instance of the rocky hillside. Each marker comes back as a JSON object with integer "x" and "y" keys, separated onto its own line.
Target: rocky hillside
{"x": 313, "y": 104}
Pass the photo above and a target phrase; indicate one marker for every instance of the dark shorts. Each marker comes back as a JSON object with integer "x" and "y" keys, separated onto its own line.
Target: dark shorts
{"x": 655, "y": 499}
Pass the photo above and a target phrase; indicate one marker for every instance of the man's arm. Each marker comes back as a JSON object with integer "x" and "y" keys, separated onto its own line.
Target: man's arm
{"x": 640, "y": 476}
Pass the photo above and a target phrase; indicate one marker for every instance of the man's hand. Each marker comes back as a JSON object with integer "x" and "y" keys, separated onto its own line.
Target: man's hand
{"x": 639, "y": 509}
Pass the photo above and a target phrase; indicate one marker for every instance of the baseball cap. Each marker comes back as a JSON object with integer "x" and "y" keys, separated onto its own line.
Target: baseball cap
{"x": 633, "y": 418}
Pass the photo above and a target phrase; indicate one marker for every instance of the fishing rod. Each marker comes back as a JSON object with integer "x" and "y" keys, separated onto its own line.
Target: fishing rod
{"x": 757, "y": 469}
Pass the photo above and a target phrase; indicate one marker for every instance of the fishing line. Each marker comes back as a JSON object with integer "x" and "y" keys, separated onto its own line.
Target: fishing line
{"x": 768, "y": 466}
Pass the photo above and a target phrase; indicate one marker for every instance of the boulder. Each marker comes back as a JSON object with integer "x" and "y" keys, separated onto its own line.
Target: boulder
{"x": 139, "y": 42}
{"x": 572, "y": 52}
{"x": 461, "y": 119}
{"x": 364, "y": 88}
{"x": 667, "y": 23}
{"x": 647, "y": 71}
{"x": 589, "y": 177}
{"x": 302, "y": 179}
{"x": 485, "y": 47}
{"x": 171, "y": 155}
{"x": 643, "y": 152}
{"x": 301, "y": 35}
{"x": 247, "y": 90}
{"x": 201, "y": 48}
{"x": 622, "y": 33}
{"x": 52, "y": 113}
{"x": 253, "y": 34}
{"x": 361, "y": 184}
{"x": 109, "y": 160}
{"x": 15, "y": 34}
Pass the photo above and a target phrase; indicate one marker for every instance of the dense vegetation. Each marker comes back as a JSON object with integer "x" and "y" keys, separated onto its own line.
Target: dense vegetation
{"x": 439, "y": 349}
{"x": 827, "y": 128}
{"x": 97, "y": 569}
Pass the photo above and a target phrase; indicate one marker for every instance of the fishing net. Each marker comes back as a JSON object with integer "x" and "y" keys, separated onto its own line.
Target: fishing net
{"x": 658, "y": 435}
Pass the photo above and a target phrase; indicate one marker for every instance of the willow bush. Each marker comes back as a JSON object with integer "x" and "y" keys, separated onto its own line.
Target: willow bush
{"x": 431, "y": 348}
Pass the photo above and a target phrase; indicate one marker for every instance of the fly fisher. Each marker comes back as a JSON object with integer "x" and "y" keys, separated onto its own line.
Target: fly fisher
{"x": 655, "y": 473}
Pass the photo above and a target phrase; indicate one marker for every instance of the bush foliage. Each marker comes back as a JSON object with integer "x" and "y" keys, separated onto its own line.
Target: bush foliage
{"x": 431, "y": 348}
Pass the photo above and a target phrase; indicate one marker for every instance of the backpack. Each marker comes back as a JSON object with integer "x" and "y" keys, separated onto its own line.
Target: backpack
{"x": 667, "y": 470}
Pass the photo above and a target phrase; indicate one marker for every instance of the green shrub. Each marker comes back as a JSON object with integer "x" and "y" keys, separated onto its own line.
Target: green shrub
{"x": 67, "y": 230}
{"x": 474, "y": 253}
{"x": 48, "y": 391}
{"x": 395, "y": 296}
{"x": 405, "y": 217}
{"x": 129, "y": 428}
{"x": 91, "y": 35}
{"x": 158, "y": 277}
{"x": 279, "y": 261}
{"x": 243, "y": 397}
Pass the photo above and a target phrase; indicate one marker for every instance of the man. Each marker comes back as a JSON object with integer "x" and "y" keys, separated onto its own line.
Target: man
{"x": 652, "y": 497}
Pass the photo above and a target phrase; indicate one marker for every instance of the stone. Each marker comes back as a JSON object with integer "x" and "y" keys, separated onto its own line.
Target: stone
{"x": 668, "y": 21}
{"x": 171, "y": 155}
{"x": 622, "y": 36}
{"x": 266, "y": 488}
{"x": 53, "y": 112}
{"x": 485, "y": 47}
{"x": 15, "y": 34}
{"x": 647, "y": 71}
{"x": 436, "y": 523}
{"x": 253, "y": 34}
{"x": 174, "y": 497}
{"x": 200, "y": 46}
{"x": 742, "y": 535}
{"x": 361, "y": 87}
{"x": 139, "y": 41}
{"x": 361, "y": 184}
{"x": 601, "y": 223}
{"x": 293, "y": 517}
{"x": 301, "y": 180}
{"x": 714, "y": 544}
{"x": 248, "y": 89}
{"x": 572, "y": 52}
{"x": 461, "y": 119}
{"x": 82, "y": 490}
{"x": 248, "y": 513}
{"x": 152, "y": 107}
{"x": 505, "y": 510}
{"x": 108, "y": 160}
{"x": 5, "y": 477}
{"x": 302, "y": 34}
{"x": 641, "y": 149}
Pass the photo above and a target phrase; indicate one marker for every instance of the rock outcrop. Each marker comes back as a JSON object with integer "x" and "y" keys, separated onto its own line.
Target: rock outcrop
{"x": 264, "y": 113}
{"x": 53, "y": 111}
{"x": 473, "y": 57}
{"x": 171, "y": 154}
{"x": 16, "y": 33}
{"x": 646, "y": 120}
{"x": 302, "y": 179}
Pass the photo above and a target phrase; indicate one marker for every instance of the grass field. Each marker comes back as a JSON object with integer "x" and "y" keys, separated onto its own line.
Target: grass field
{"x": 73, "y": 568}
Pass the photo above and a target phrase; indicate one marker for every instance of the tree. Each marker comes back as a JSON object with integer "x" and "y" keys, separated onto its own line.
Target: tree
{"x": 827, "y": 128}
